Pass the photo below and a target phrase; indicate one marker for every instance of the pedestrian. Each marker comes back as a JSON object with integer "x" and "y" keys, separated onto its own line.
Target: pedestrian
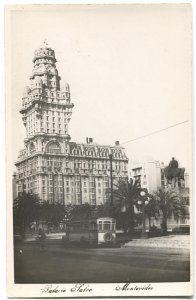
{"x": 42, "y": 238}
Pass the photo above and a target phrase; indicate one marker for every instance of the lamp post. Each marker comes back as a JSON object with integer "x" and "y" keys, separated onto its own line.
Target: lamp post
{"x": 65, "y": 220}
{"x": 111, "y": 183}
{"x": 143, "y": 202}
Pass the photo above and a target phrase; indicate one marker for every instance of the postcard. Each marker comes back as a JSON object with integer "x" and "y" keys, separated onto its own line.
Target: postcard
{"x": 99, "y": 150}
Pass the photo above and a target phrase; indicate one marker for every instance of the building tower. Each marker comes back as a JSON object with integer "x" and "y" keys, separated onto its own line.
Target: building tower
{"x": 46, "y": 112}
{"x": 50, "y": 165}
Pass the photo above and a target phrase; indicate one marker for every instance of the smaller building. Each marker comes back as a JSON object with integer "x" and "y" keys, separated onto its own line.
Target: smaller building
{"x": 147, "y": 172}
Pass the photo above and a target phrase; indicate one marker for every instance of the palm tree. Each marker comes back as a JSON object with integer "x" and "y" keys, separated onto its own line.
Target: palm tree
{"x": 125, "y": 194}
{"x": 169, "y": 204}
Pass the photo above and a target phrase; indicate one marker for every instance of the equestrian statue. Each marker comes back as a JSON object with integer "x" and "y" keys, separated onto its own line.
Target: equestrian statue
{"x": 174, "y": 174}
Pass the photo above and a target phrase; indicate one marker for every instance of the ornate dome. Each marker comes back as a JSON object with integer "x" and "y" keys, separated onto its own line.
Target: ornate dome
{"x": 44, "y": 52}
{"x": 38, "y": 81}
{"x": 26, "y": 91}
{"x": 65, "y": 87}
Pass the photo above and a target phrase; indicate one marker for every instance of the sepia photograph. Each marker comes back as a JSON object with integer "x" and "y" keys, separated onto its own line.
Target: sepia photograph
{"x": 99, "y": 150}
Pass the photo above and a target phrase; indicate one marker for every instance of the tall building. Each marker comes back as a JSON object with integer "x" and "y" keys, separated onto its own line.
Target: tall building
{"x": 50, "y": 165}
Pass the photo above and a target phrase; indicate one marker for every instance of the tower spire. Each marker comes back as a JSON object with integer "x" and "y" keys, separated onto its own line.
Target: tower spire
{"x": 44, "y": 44}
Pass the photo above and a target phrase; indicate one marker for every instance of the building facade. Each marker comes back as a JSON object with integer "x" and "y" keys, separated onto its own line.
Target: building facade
{"x": 147, "y": 173}
{"x": 51, "y": 165}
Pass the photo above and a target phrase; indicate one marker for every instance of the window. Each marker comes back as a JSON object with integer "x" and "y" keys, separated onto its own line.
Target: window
{"x": 100, "y": 227}
{"x": 53, "y": 148}
{"x": 107, "y": 225}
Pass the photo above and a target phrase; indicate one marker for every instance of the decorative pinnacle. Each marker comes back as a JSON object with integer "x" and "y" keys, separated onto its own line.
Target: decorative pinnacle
{"x": 45, "y": 44}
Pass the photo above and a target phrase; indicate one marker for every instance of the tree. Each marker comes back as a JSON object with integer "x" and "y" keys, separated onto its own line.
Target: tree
{"x": 126, "y": 193}
{"x": 169, "y": 204}
{"x": 26, "y": 209}
{"x": 52, "y": 213}
{"x": 85, "y": 211}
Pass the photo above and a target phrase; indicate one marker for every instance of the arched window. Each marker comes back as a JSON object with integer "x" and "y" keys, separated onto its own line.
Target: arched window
{"x": 53, "y": 148}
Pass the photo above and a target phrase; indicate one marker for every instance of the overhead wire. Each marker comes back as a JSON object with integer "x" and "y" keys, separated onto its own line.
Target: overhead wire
{"x": 154, "y": 132}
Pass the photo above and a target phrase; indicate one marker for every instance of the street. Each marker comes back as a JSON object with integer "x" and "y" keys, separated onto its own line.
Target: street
{"x": 57, "y": 264}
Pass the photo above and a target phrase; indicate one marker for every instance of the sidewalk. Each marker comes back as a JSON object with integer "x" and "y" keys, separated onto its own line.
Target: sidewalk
{"x": 170, "y": 241}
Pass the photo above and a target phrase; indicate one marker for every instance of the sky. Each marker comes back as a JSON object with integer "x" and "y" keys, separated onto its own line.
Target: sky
{"x": 129, "y": 70}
